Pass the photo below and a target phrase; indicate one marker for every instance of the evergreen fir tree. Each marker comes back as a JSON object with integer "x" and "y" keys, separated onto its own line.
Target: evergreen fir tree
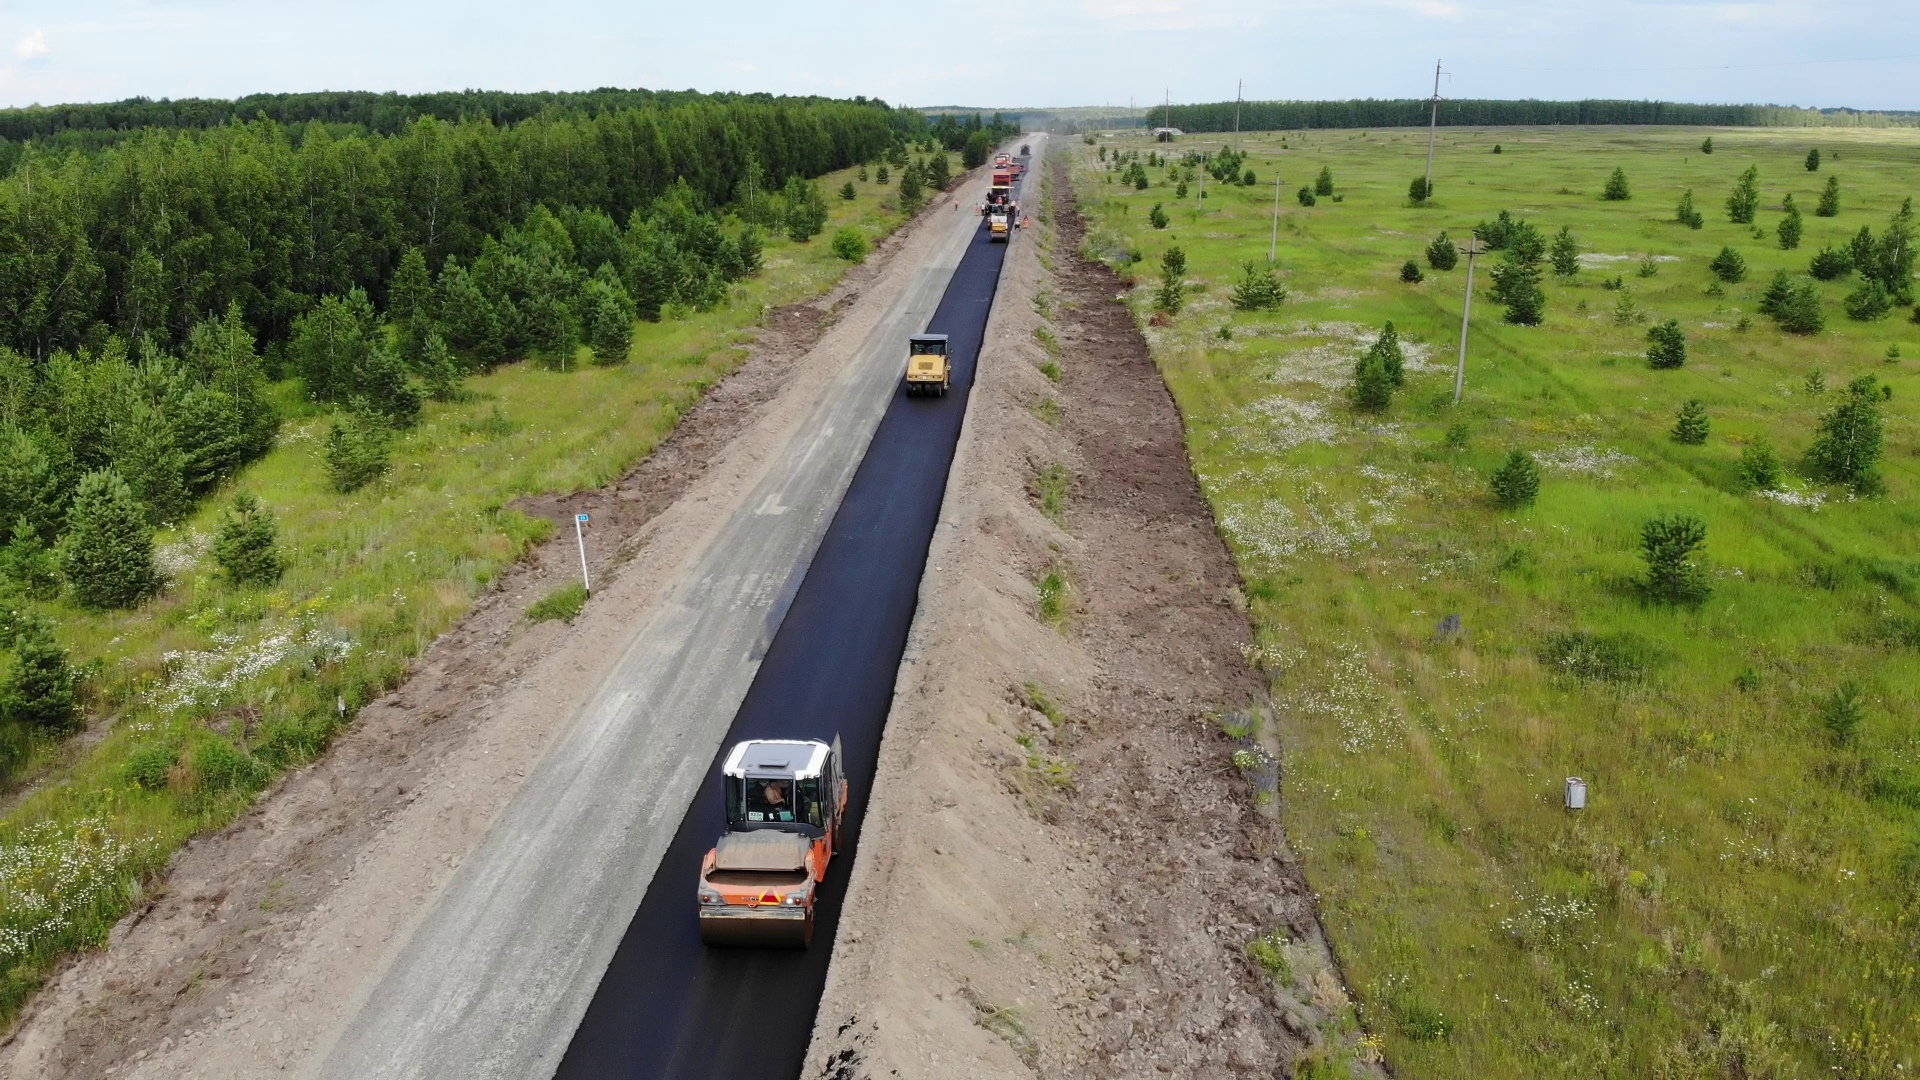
{"x": 1668, "y": 545}
{"x": 910, "y": 184}
{"x": 1417, "y": 192}
{"x": 1516, "y": 281}
{"x": 847, "y": 191}
{"x": 222, "y": 354}
{"x": 1173, "y": 262}
{"x": 1799, "y": 311}
{"x": 1706, "y": 145}
{"x": 358, "y": 448}
{"x": 1305, "y": 196}
{"x": 437, "y": 367}
{"x": 1566, "y": 253}
{"x": 1829, "y": 199}
{"x": 147, "y": 454}
{"x": 40, "y": 688}
{"x": 1687, "y": 215}
{"x": 1616, "y": 189}
{"x": 27, "y": 563}
{"x": 1729, "y": 266}
{"x": 1813, "y": 160}
{"x": 1157, "y": 217}
{"x": 1410, "y": 273}
{"x": 387, "y": 389}
{"x": 411, "y": 293}
{"x": 1868, "y": 302}
{"x": 1864, "y": 253}
{"x": 30, "y": 485}
{"x": 246, "y": 545}
{"x": 107, "y": 554}
{"x": 212, "y": 435}
{"x": 882, "y": 176}
{"x": 1516, "y": 483}
{"x": 1691, "y": 427}
{"x": 1372, "y": 384}
{"x": 938, "y": 171}
{"x": 610, "y": 321}
{"x": 1830, "y": 265}
{"x": 1849, "y": 441}
{"x": 1259, "y": 289}
{"x": 1393, "y": 359}
{"x": 1790, "y": 227}
{"x": 1776, "y": 294}
{"x": 1442, "y": 254}
{"x": 1745, "y": 200}
{"x": 1666, "y": 345}
{"x": 1323, "y": 184}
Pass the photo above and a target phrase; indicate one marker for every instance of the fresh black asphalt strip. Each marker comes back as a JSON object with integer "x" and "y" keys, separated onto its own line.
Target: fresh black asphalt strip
{"x": 668, "y": 1006}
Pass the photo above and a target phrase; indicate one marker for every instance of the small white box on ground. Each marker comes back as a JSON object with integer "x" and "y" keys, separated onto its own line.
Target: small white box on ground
{"x": 1576, "y": 793}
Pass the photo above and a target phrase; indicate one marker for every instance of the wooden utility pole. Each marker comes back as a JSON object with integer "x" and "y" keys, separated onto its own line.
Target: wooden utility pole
{"x": 1273, "y": 247}
{"x": 1239, "y": 89}
{"x": 1433, "y": 127}
{"x": 1474, "y": 246}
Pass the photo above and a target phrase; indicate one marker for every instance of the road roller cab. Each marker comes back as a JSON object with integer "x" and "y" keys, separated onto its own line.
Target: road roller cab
{"x": 785, "y": 802}
{"x": 929, "y": 368}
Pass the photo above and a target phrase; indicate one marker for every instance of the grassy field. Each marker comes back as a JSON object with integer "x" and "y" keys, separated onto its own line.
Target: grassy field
{"x": 213, "y": 690}
{"x": 1741, "y": 898}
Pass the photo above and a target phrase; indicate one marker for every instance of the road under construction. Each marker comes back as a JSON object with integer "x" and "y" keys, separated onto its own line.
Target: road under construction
{"x": 568, "y": 943}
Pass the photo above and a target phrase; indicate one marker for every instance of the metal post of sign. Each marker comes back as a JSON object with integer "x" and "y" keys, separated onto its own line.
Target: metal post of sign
{"x": 580, "y": 535}
{"x": 1473, "y": 247}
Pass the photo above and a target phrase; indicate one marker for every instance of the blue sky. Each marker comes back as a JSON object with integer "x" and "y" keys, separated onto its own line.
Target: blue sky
{"x": 1863, "y": 53}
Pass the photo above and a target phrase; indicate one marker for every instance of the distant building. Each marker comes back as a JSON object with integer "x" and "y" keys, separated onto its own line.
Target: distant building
{"x": 1166, "y": 134}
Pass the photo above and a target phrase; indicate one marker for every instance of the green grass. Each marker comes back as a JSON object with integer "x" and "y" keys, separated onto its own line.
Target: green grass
{"x": 213, "y": 690}
{"x": 1054, "y": 597}
{"x": 1051, "y": 485}
{"x": 1739, "y": 898}
{"x": 563, "y": 603}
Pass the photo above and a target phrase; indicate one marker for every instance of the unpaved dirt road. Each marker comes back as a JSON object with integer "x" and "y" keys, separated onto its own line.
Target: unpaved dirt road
{"x": 445, "y": 909}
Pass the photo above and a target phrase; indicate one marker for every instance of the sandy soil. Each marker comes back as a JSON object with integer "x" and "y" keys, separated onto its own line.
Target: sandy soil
{"x": 262, "y": 938}
{"x": 1073, "y": 895}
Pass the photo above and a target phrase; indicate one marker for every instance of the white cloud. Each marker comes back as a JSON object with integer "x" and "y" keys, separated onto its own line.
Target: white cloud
{"x": 32, "y": 47}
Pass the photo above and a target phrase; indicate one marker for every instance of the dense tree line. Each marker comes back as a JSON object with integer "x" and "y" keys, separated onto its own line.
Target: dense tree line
{"x": 150, "y": 290}
{"x": 379, "y": 113}
{"x": 1415, "y": 112}
{"x": 149, "y": 237}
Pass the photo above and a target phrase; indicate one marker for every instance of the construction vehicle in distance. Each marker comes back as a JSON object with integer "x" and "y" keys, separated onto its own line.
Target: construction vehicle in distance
{"x": 929, "y": 368}
{"x": 786, "y": 807}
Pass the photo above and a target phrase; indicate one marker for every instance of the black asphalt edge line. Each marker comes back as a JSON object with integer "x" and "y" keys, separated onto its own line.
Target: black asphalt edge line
{"x": 667, "y": 1005}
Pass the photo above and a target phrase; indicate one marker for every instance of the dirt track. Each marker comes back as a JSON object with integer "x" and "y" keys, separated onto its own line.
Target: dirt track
{"x": 1072, "y": 895}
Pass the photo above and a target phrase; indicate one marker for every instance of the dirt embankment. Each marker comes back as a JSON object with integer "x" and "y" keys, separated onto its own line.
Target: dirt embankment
{"x": 1063, "y": 867}
{"x": 262, "y": 938}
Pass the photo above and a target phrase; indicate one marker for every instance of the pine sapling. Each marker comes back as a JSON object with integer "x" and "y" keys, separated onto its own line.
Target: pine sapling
{"x": 1516, "y": 483}
{"x": 1442, "y": 254}
{"x": 1759, "y": 467}
{"x": 1829, "y": 205}
{"x": 1690, "y": 428}
{"x": 1616, "y": 189}
{"x": 1566, "y": 253}
{"x": 1668, "y": 545}
{"x": 1666, "y": 345}
{"x": 246, "y": 544}
{"x": 1729, "y": 266}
